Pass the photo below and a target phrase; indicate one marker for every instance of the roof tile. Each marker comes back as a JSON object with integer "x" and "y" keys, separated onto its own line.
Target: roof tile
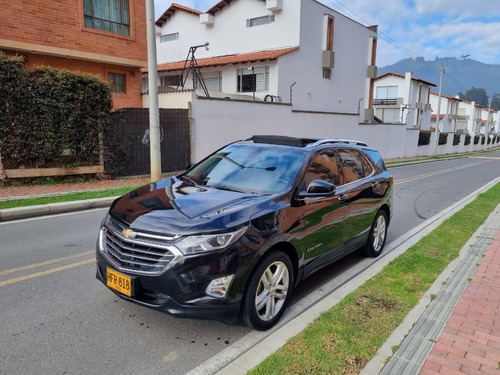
{"x": 228, "y": 59}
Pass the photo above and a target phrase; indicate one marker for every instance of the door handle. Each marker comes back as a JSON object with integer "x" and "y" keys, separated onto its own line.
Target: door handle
{"x": 343, "y": 197}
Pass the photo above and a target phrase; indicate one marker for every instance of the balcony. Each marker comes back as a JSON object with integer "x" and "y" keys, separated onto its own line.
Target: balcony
{"x": 385, "y": 101}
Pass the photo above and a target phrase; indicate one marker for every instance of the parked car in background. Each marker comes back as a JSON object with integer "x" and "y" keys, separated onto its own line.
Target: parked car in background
{"x": 234, "y": 234}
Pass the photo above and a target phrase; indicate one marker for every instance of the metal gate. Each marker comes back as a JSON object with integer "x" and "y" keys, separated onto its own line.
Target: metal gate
{"x": 128, "y": 147}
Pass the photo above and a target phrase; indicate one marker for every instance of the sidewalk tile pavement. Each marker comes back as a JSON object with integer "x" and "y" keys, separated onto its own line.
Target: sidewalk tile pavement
{"x": 470, "y": 341}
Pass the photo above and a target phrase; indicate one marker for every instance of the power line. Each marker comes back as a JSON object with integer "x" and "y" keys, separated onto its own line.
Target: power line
{"x": 381, "y": 34}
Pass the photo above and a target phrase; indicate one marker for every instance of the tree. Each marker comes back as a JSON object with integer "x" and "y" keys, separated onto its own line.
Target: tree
{"x": 495, "y": 102}
{"x": 475, "y": 95}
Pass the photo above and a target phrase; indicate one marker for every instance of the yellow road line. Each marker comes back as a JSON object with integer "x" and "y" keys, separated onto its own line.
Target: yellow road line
{"x": 397, "y": 182}
{"x": 47, "y": 272}
{"x": 47, "y": 262}
{"x": 486, "y": 157}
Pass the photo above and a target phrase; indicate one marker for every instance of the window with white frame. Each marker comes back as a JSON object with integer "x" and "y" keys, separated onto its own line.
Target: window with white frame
{"x": 212, "y": 80}
{"x": 257, "y": 21}
{"x": 386, "y": 92}
{"x": 388, "y": 115}
{"x": 169, "y": 37}
{"x": 253, "y": 79}
{"x": 170, "y": 80}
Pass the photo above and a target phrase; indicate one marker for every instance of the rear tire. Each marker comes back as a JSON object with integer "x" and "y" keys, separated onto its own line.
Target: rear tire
{"x": 268, "y": 291}
{"x": 378, "y": 234}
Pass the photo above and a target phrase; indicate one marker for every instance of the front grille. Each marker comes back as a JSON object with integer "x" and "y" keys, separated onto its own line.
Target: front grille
{"x": 141, "y": 254}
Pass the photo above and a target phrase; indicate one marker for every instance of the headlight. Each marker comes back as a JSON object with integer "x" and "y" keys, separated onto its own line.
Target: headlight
{"x": 208, "y": 242}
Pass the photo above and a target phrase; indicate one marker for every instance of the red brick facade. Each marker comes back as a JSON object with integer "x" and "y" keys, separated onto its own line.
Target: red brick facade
{"x": 53, "y": 33}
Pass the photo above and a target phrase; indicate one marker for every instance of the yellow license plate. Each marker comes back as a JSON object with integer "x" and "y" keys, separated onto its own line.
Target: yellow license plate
{"x": 117, "y": 281}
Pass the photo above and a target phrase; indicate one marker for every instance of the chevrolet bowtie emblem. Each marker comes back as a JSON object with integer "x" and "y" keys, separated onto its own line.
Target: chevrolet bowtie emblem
{"x": 128, "y": 233}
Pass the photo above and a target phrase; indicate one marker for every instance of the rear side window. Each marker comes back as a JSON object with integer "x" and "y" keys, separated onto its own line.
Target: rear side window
{"x": 354, "y": 165}
{"x": 326, "y": 166}
{"x": 376, "y": 158}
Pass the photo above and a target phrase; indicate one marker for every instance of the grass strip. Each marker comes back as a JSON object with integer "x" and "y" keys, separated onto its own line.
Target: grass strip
{"x": 67, "y": 197}
{"x": 343, "y": 339}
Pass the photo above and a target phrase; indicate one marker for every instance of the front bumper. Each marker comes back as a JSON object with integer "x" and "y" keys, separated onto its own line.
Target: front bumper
{"x": 180, "y": 292}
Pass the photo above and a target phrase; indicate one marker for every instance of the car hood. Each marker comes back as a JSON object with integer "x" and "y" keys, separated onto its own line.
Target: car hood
{"x": 175, "y": 207}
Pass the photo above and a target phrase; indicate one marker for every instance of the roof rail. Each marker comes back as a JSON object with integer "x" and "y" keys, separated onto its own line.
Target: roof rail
{"x": 339, "y": 140}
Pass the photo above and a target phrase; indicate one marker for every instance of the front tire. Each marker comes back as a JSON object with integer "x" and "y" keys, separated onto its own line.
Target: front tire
{"x": 378, "y": 234}
{"x": 268, "y": 291}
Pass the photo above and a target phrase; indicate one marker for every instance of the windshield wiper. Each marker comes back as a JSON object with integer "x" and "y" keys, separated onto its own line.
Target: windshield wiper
{"x": 188, "y": 179}
{"x": 230, "y": 188}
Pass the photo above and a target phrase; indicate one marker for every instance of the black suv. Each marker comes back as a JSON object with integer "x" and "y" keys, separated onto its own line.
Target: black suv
{"x": 236, "y": 232}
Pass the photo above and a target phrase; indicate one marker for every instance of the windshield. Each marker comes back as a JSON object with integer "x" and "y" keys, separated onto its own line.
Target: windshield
{"x": 249, "y": 167}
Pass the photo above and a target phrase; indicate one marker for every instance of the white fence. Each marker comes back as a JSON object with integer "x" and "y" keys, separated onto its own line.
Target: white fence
{"x": 216, "y": 122}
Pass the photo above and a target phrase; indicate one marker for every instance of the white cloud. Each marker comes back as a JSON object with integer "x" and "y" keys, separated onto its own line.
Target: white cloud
{"x": 463, "y": 8}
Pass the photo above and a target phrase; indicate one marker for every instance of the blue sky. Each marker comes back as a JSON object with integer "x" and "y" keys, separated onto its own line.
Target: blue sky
{"x": 414, "y": 28}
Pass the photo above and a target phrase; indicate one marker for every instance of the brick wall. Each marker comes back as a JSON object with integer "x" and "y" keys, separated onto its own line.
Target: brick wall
{"x": 60, "y": 23}
{"x": 55, "y": 31}
{"x": 132, "y": 97}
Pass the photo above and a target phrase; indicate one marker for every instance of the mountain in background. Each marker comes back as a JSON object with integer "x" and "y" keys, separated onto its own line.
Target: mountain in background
{"x": 460, "y": 74}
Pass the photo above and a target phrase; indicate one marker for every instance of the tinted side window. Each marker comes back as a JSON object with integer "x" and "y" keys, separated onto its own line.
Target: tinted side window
{"x": 326, "y": 166}
{"x": 376, "y": 158}
{"x": 354, "y": 165}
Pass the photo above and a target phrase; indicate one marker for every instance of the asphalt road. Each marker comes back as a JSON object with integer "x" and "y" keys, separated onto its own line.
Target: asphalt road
{"x": 57, "y": 319}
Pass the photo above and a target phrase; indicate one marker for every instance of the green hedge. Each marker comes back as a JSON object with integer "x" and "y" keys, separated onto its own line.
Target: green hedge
{"x": 49, "y": 117}
{"x": 424, "y": 137}
{"x": 456, "y": 139}
{"x": 467, "y": 139}
{"x": 443, "y": 138}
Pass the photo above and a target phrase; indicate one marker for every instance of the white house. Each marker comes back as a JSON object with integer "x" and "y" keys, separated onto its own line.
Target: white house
{"x": 299, "y": 52}
{"x": 403, "y": 99}
{"x": 462, "y": 116}
{"x": 453, "y": 114}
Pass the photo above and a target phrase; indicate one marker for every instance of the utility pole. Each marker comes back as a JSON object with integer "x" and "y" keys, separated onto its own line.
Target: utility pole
{"x": 439, "y": 110}
{"x": 487, "y": 127}
{"x": 154, "y": 111}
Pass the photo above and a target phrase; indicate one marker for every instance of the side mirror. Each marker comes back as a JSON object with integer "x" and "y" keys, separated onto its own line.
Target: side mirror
{"x": 318, "y": 188}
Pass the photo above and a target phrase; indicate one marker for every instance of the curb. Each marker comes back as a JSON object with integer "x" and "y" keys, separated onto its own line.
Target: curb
{"x": 17, "y": 213}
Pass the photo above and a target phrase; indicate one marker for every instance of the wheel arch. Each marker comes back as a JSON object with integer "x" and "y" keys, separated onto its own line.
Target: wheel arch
{"x": 387, "y": 210}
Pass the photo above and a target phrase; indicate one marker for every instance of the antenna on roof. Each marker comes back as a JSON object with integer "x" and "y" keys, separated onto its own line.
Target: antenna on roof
{"x": 195, "y": 70}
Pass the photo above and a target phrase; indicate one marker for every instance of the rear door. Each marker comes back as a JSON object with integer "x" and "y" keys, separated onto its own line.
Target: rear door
{"x": 321, "y": 234}
{"x": 360, "y": 179}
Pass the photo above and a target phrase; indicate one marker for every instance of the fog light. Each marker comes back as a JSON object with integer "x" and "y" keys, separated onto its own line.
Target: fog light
{"x": 219, "y": 287}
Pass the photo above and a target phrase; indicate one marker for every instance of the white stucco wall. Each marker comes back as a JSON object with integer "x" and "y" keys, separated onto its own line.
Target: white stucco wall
{"x": 216, "y": 123}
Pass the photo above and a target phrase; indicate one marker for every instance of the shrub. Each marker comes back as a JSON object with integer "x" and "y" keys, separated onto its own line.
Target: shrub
{"x": 424, "y": 138}
{"x": 443, "y": 138}
{"x": 50, "y": 118}
{"x": 467, "y": 139}
{"x": 456, "y": 139}
{"x": 476, "y": 139}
